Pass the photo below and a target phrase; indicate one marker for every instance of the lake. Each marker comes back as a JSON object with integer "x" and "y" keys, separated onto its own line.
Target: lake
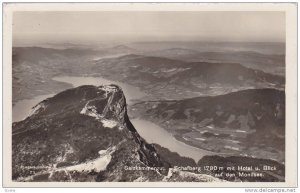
{"x": 23, "y": 108}
{"x": 153, "y": 133}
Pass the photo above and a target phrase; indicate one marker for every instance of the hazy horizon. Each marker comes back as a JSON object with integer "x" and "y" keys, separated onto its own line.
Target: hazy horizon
{"x": 97, "y": 27}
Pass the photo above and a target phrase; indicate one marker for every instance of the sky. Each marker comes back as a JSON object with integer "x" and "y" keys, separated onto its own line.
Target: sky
{"x": 76, "y": 27}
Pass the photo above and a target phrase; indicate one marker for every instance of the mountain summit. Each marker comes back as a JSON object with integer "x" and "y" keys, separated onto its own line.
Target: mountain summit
{"x": 84, "y": 134}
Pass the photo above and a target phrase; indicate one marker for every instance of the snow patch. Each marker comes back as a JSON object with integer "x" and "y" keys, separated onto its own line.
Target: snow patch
{"x": 90, "y": 111}
{"x": 185, "y": 138}
{"x": 169, "y": 70}
{"x": 170, "y": 173}
{"x": 109, "y": 123}
{"x": 203, "y": 131}
{"x": 141, "y": 179}
{"x": 98, "y": 164}
{"x": 231, "y": 147}
{"x": 108, "y": 89}
{"x": 102, "y": 152}
{"x": 37, "y": 108}
{"x": 233, "y": 141}
{"x": 200, "y": 139}
{"x": 241, "y": 131}
{"x": 175, "y": 69}
{"x": 210, "y": 126}
{"x": 63, "y": 157}
{"x": 185, "y": 174}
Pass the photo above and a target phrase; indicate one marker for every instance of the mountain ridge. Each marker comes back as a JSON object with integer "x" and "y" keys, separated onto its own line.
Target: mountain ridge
{"x": 84, "y": 134}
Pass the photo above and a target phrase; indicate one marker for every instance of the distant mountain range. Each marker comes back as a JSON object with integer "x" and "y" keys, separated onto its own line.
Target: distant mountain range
{"x": 209, "y": 73}
{"x": 34, "y": 67}
{"x": 270, "y": 63}
{"x": 164, "y": 69}
{"x": 164, "y": 78}
{"x": 248, "y": 123}
{"x": 260, "y": 47}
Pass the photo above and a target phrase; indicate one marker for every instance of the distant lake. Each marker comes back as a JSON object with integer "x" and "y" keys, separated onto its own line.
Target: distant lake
{"x": 23, "y": 107}
{"x": 131, "y": 92}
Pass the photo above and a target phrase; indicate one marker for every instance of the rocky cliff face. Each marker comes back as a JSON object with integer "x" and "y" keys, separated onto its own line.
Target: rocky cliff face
{"x": 84, "y": 134}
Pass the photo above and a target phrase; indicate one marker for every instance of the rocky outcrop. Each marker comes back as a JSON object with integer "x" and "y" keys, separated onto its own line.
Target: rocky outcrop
{"x": 84, "y": 134}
